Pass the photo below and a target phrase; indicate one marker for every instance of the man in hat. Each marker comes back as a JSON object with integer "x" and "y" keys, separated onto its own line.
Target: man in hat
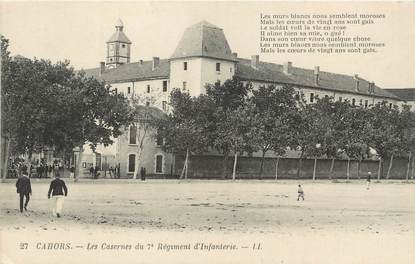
{"x": 24, "y": 189}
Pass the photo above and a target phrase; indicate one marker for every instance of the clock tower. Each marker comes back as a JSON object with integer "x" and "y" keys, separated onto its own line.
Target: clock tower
{"x": 118, "y": 47}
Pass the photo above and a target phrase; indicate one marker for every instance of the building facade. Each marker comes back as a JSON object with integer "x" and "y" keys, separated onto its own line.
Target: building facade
{"x": 203, "y": 56}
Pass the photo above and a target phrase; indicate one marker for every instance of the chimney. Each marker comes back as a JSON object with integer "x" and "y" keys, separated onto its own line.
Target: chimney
{"x": 156, "y": 62}
{"x": 356, "y": 78}
{"x": 288, "y": 67}
{"x": 316, "y": 75}
{"x": 101, "y": 67}
{"x": 235, "y": 54}
{"x": 255, "y": 61}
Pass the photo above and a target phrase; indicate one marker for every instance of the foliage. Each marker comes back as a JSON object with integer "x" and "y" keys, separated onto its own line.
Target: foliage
{"x": 51, "y": 105}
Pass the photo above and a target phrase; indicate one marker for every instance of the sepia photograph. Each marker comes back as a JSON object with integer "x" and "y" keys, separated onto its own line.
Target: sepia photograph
{"x": 207, "y": 132}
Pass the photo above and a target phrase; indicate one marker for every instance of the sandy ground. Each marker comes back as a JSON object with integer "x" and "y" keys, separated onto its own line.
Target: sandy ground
{"x": 338, "y": 222}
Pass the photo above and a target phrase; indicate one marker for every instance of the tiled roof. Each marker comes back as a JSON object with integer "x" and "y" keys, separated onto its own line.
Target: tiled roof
{"x": 119, "y": 36}
{"x": 133, "y": 71}
{"x": 265, "y": 72}
{"x": 203, "y": 40}
{"x": 407, "y": 94}
{"x": 271, "y": 72}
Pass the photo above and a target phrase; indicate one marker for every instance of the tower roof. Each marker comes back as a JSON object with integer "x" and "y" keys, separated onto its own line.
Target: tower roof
{"x": 118, "y": 35}
{"x": 203, "y": 40}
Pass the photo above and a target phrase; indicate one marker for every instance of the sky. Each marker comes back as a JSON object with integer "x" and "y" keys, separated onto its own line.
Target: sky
{"x": 77, "y": 31}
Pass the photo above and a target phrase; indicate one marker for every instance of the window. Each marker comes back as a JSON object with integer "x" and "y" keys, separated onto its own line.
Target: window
{"x": 217, "y": 66}
{"x": 230, "y": 69}
{"x": 311, "y": 97}
{"x": 128, "y": 90}
{"x": 366, "y": 103}
{"x": 326, "y": 96}
{"x": 340, "y": 99}
{"x": 133, "y": 135}
{"x": 164, "y": 105}
{"x": 159, "y": 139}
{"x": 123, "y": 45}
{"x": 353, "y": 102}
{"x": 131, "y": 163}
{"x": 184, "y": 86}
{"x": 147, "y": 103}
{"x": 185, "y": 66}
{"x": 164, "y": 86}
{"x": 361, "y": 102}
{"x": 148, "y": 88}
{"x": 159, "y": 164}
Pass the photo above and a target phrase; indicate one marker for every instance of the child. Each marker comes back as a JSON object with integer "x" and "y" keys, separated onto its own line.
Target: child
{"x": 300, "y": 193}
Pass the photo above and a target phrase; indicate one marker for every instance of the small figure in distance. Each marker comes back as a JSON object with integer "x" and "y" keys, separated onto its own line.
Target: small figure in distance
{"x": 24, "y": 189}
{"x": 143, "y": 173}
{"x": 369, "y": 176}
{"x": 300, "y": 193}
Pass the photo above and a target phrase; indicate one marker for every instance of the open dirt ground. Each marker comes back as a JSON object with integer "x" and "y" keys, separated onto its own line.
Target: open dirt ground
{"x": 337, "y": 222}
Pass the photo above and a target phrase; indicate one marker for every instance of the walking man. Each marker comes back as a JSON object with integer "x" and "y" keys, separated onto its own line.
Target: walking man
{"x": 300, "y": 193}
{"x": 24, "y": 189}
{"x": 57, "y": 189}
{"x": 369, "y": 176}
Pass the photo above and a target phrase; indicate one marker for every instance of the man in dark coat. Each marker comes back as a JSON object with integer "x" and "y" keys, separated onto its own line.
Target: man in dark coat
{"x": 24, "y": 189}
{"x": 57, "y": 189}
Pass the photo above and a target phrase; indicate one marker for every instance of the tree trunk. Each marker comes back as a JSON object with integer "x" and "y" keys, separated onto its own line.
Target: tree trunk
{"x": 314, "y": 169}
{"x": 184, "y": 170}
{"x": 137, "y": 165}
{"x": 234, "y": 166}
{"x": 413, "y": 169}
{"x": 409, "y": 165}
{"x": 300, "y": 165}
{"x": 261, "y": 169}
{"x": 225, "y": 165}
{"x": 5, "y": 159}
{"x": 78, "y": 164}
{"x": 348, "y": 169}
{"x": 276, "y": 168}
{"x": 380, "y": 168}
{"x": 187, "y": 164}
{"x": 331, "y": 169}
{"x": 390, "y": 167}
{"x": 358, "y": 168}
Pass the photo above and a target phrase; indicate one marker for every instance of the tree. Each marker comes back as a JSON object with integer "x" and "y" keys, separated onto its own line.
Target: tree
{"x": 182, "y": 130}
{"x": 50, "y": 105}
{"x": 383, "y": 135}
{"x": 145, "y": 120}
{"x": 228, "y": 98}
{"x": 406, "y": 135}
{"x": 273, "y": 106}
